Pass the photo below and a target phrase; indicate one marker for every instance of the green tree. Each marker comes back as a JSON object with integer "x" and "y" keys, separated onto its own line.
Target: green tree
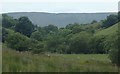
{"x": 50, "y": 29}
{"x": 119, "y": 16}
{"x": 97, "y": 44}
{"x": 24, "y": 26}
{"x": 77, "y": 29}
{"x": 36, "y": 46}
{"x": 17, "y": 41}
{"x": 7, "y": 21}
{"x": 64, "y": 32}
{"x": 37, "y": 36}
{"x": 94, "y": 21}
{"x": 79, "y": 43}
{"x": 114, "y": 53}
{"x": 52, "y": 43}
{"x": 4, "y": 34}
{"x": 71, "y": 26}
{"x": 111, "y": 20}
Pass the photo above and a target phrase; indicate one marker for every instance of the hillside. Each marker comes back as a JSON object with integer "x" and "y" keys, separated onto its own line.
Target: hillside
{"x": 108, "y": 31}
{"x": 60, "y": 19}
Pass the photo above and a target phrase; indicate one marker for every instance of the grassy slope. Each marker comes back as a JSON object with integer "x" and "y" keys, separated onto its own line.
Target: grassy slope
{"x": 108, "y": 31}
{"x": 16, "y": 61}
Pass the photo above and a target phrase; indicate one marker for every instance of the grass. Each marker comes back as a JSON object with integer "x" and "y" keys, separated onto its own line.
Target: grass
{"x": 0, "y": 57}
{"x": 14, "y": 61}
{"x": 109, "y": 31}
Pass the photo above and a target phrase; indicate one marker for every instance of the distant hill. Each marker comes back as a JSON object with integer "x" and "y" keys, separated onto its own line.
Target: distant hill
{"x": 60, "y": 19}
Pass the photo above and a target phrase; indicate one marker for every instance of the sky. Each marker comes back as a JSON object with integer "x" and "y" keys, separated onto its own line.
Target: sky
{"x": 59, "y": 6}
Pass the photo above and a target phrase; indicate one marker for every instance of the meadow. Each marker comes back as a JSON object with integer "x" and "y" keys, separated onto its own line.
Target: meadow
{"x": 14, "y": 61}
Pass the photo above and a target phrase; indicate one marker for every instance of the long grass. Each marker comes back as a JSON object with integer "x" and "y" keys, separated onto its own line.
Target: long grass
{"x": 108, "y": 31}
{"x": 0, "y": 57}
{"x": 14, "y": 61}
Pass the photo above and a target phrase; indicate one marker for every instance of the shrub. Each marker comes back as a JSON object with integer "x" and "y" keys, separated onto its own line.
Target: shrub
{"x": 114, "y": 53}
{"x": 18, "y": 42}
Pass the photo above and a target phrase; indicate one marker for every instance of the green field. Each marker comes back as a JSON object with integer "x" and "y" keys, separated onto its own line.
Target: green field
{"x": 14, "y": 61}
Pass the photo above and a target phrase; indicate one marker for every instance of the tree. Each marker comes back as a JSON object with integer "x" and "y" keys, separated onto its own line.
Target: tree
{"x": 79, "y": 43}
{"x": 24, "y": 26}
{"x": 119, "y": 16}
{"x": 97, "y": 44}
{"x": 94, "y": 21}
{"x": 111, "y": 20}
{"x": 114, "y": 53}
{"x": 8, "y": 22}
{"x": 71, "y": 26}
{"x": 4, "y": 34}
{"x": 50, "y": 29}
{"x": 52, "y": 43}
{"x": 64, "y": 32}
{"x": 18, "y": 41}
{"x": 37, "y": 36}
{"x": 77, "y": 29}
{"x": 36, "y": 46}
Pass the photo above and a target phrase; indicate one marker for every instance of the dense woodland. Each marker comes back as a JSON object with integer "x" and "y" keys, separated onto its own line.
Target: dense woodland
{"x": 22, "y": 35}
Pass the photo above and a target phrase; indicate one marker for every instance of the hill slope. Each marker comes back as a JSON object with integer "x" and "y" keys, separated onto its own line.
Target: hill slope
{"x": 108, "y": 31}
{"x": 61, "y": 19}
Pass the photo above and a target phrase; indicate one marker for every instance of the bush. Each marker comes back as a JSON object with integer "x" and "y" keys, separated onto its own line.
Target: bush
{"x": 36, "y": 46}
{"x": 4, "y": 34}
{"x": 37, "y": 36}
{"x": 21, "y": 42}
{"x": 114, "y": 53}
{"x": 79, "y": 43}
{"x": 18, "y": 42}
{"x": 114, "y": 56}
{"x": 97, "y": 44}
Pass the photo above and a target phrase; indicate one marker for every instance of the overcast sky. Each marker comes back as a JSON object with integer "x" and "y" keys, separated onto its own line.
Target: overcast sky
{"x": 59, "y": 6}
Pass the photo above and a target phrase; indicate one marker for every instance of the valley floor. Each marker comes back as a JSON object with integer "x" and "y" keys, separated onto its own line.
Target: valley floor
{"x": 14, "y": 61}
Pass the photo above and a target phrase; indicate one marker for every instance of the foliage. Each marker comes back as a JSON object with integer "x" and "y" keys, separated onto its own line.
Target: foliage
{"x": 24, "y": 26}
{"x": 37, "y": 35}
{"x": 53, "y": 43}
{"x": 114, "y": 53}
{"x": 79, "y": 43}
{"x": 111, "y": 20}
{"x": 50, "y": 29}
{"x": 71, "y": 26}
{"x": 94, "y": 21}
{"x": 119, "y": 16}
{"x": 20, "y": 42}
{"x": 74, "y": 38}
{"x": 97, "y": 45}
{"x": 8, "y": 22}
{"x": 4, "y": 34}
{"x": 17, "y": 41}
{"x": 21, "y": 35}
{"x": 36, "y": 46}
